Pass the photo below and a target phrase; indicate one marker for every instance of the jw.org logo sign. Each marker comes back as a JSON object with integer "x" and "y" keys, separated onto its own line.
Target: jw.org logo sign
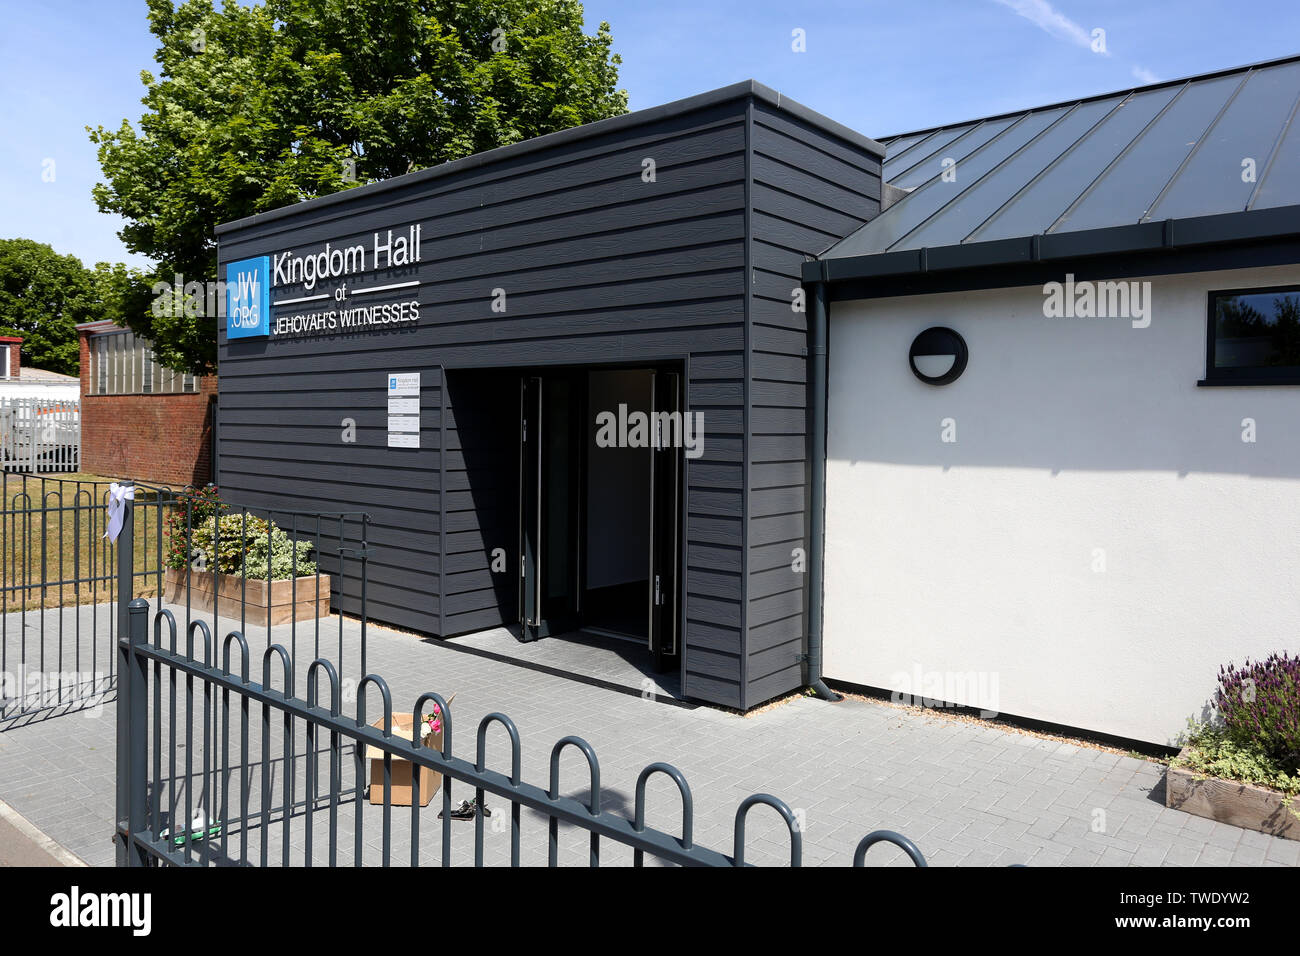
{"x": 248, "y": 298}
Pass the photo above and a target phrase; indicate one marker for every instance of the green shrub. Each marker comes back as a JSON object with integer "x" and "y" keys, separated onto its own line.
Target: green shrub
{"x": 282, "y": 550}
{"x": 239, "y": 543}
{"x": 192, "y": 509}
{"x": 1212, "y": 750}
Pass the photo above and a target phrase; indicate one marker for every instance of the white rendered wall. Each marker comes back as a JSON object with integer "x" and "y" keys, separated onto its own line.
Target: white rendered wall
{"x": 1098, "y": 539}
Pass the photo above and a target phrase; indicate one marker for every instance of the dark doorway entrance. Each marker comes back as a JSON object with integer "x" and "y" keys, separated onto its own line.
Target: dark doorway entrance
{"x": 600, "y": 505}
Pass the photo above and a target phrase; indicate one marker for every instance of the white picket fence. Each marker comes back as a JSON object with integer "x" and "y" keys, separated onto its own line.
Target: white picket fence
{"x": 40, "y": 434}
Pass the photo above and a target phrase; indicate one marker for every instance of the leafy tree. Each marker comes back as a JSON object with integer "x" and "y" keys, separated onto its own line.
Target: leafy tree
{"x": 262, "y": 106}
{"x": 43, "y": 296}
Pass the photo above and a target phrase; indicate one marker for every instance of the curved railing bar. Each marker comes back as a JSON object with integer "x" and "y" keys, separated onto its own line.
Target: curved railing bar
{"x": 388, "y": 702}
{"x": 359, "y": 750}
{"x": 207, "y": 642}
{"x": 688, "y": 805}
{"x": 243, "y": 655}
{"x": 336, "y": 695}
{"x": 266, "y": 669}
{"x": 593, "y": 807}
{"x": 887, "y": 836}
{"x": 480, "y": 764}
{"x": 780, "y": 806}
{"x": 445, "y": 710}
{"x": 158, "y": 618}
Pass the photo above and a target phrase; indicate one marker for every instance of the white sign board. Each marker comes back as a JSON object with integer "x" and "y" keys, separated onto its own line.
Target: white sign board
{"x": 403, "y": 409}
{"x": 404, "y": 383}
{"x": 403, "y": 406}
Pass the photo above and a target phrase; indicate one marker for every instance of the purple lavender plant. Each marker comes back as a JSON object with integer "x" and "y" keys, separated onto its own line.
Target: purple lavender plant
{"x": 1260, "y": 706}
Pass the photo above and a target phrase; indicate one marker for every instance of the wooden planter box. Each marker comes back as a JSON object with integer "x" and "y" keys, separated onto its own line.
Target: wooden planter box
{"x": 229, "y": 591}
{"x": 1228, "y": 801}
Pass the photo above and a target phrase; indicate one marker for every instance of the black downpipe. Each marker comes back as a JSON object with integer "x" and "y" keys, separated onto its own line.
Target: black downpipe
{"x": 817, "y": 331}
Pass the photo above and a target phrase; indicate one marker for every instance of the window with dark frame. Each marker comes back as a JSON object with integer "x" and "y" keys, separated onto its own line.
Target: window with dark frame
{"x": 1253, "y": 337}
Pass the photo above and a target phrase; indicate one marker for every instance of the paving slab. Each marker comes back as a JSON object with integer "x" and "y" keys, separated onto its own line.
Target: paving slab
{"x": 968, "y": 795}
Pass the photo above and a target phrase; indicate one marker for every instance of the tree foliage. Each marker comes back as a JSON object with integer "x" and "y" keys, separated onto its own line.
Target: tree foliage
{"x": 262, "y": 106}
{"x": 44, "y": 295}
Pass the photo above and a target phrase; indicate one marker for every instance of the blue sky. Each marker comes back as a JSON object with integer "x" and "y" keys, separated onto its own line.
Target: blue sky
{"x": 878, "y": 67}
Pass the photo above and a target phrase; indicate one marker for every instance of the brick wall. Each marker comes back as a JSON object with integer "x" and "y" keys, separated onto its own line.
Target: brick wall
{"x": 165, "y": 438}
{"x": 14, "y": 345}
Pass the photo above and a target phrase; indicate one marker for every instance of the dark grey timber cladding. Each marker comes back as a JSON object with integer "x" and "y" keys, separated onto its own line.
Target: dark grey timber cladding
{"x": 808, "y": 189}
{"x": 283, "y": 418}
{"x": 481, "y": 500}
{"x": 599, "y": 267}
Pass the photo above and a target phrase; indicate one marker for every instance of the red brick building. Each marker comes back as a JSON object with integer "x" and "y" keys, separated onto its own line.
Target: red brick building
{"x": 10, "y": 348}
{"x": 138, "y": 419}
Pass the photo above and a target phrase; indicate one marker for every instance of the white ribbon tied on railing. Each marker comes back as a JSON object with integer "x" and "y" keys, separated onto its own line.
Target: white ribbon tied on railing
{"x": 118, "y": 496}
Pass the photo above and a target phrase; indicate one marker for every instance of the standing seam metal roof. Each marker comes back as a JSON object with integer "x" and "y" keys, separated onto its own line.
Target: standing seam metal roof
{"x": 1219, "y": 143}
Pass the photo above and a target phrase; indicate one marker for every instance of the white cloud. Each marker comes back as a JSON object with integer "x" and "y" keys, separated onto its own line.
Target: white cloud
{"x": 1046, "y": 17}
{"x": 1144, "y": 76}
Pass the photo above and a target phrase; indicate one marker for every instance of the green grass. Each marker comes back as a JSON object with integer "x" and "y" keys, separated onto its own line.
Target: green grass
{"x": 51, "y": 529}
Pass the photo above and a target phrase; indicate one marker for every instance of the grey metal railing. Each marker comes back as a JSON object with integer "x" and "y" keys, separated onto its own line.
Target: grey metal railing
{"x": 190, "y": 816}
{"x": 60, "y": 581}
{"x": 202, "y": 781}
{"x": 340, "y": 549}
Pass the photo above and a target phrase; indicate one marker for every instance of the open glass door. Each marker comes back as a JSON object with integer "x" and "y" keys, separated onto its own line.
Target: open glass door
{"x": 548, "y": 506}
{"x": 665, "y": 528}
{"x": 530, "y": 485}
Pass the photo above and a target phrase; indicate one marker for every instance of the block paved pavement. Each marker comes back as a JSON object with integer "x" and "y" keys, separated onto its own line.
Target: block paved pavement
{"x": 967, "y": 794}
{"x": 21, "y": 844}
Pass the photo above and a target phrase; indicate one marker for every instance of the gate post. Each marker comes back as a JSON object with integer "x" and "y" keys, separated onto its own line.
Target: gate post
{"x": 125, "y": 547}
{"x": 126, "y": 568}
{"x": 132, "y": 727}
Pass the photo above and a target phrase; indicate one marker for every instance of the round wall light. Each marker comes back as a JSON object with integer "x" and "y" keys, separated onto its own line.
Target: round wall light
{"x": 938, "y": 356}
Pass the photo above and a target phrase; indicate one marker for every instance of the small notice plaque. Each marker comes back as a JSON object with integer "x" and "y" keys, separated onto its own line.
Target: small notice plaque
{"x": 403, "y": 406}
{"x": 403, "y": 409}
{"x": 404, "y": 383}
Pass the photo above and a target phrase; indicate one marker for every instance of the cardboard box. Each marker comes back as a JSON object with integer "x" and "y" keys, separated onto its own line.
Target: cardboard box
{"x": 402, "y": 783}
